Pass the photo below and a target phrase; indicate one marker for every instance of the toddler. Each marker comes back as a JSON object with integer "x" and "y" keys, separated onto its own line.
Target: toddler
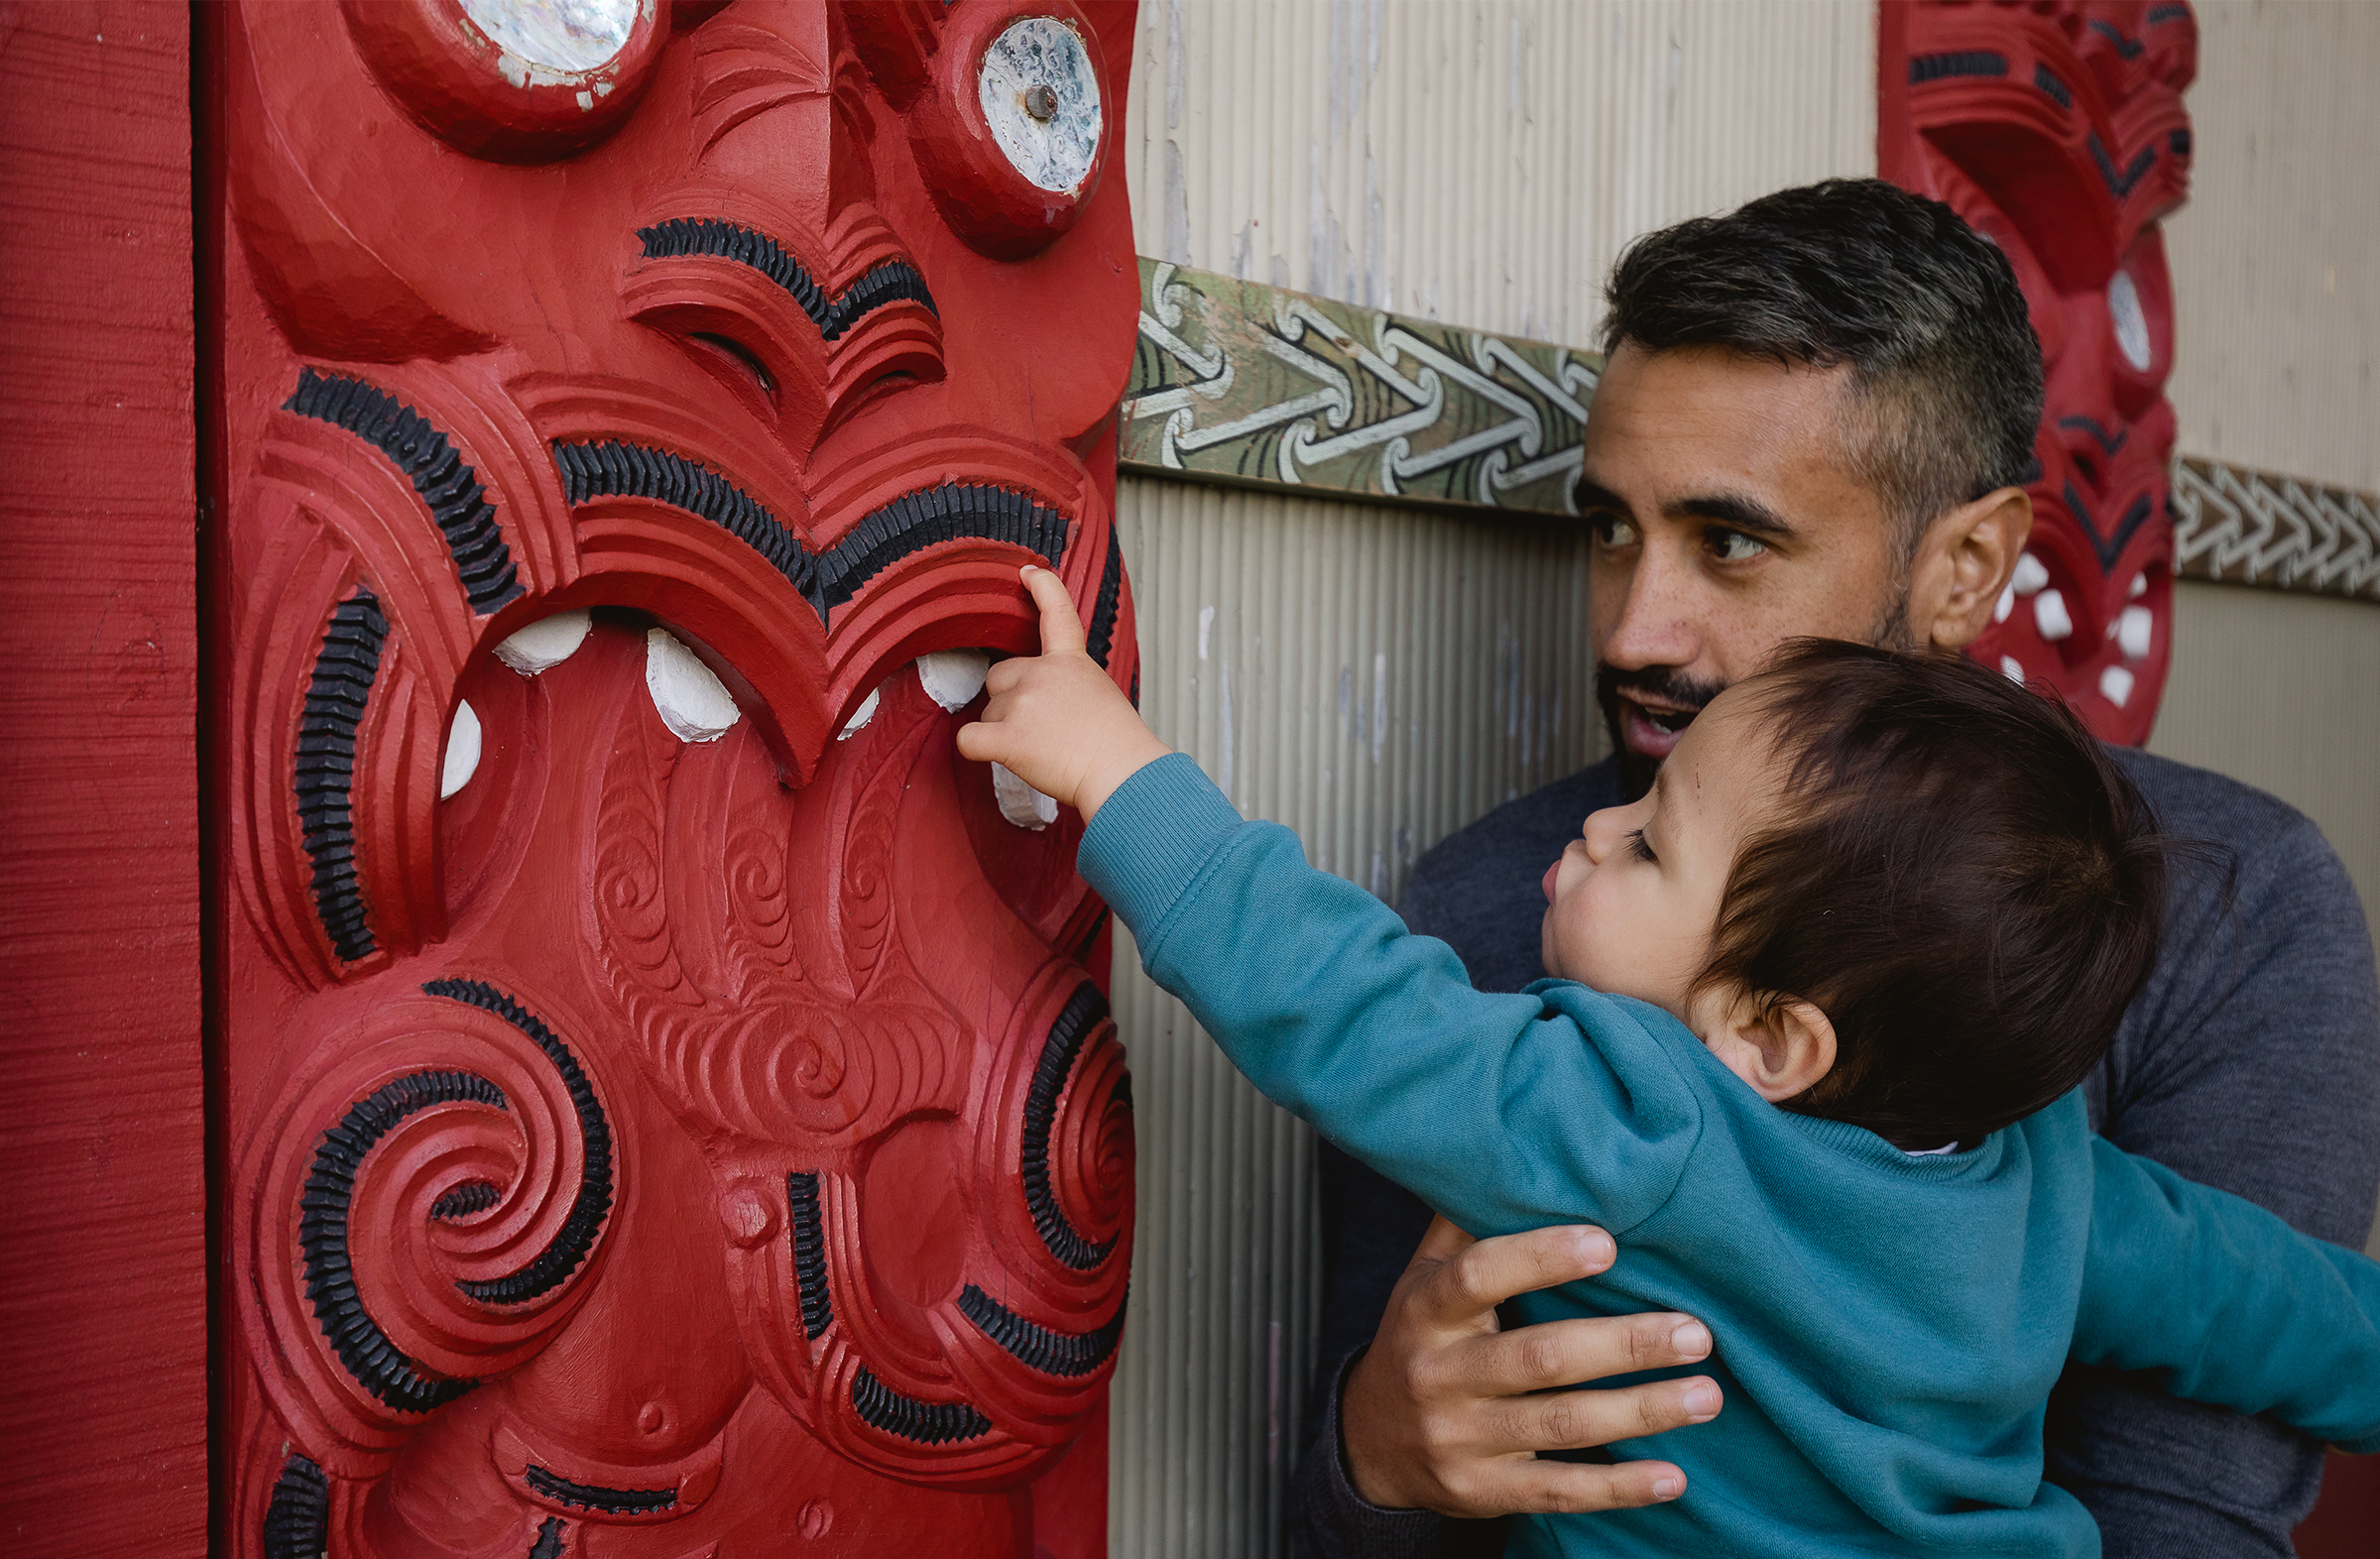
{"x": 1822, "y": 1002}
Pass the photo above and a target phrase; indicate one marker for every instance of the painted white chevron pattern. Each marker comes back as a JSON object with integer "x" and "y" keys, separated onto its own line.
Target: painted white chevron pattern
{"x": 2251, "y": 527}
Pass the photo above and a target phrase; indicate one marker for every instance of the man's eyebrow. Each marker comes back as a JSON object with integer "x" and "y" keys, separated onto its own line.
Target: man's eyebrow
{"x": 1591, "y": 494}
{"x": 1747, "y": 515}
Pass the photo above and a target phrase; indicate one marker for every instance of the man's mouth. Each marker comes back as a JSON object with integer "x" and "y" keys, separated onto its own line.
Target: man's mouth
{"x": 1652, "y": 730}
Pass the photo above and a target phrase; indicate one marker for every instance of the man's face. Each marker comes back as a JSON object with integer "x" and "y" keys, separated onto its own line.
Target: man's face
{"x": 1726, "y": 522}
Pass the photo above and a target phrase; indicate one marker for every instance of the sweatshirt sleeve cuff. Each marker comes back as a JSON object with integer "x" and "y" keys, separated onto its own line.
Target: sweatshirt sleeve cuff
{"x": 1149, "y": 839}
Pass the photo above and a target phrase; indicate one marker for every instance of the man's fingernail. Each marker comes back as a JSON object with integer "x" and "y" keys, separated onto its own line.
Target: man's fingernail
{"x": 1668, "y": 1486}
{"x": 1597, "y": 1247}
{"x": 1691, "y": 1339}
{"x": 1701, "y": 1401}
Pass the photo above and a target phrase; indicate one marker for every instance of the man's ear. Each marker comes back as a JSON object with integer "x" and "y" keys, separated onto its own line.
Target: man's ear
{"x": 1782, "y": 1048}
{"x": 1963, "y": 561}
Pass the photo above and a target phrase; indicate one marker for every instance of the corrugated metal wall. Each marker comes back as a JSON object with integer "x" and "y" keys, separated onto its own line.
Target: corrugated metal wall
{"x": 2275, "y": 260}
{"x": 1377, "y": 676}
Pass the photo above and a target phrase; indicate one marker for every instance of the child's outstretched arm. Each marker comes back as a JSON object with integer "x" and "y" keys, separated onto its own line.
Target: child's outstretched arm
{"x": 1056, "y": 720}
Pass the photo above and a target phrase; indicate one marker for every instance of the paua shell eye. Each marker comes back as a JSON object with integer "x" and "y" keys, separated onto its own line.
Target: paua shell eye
{"x": 1012, "y": 131}
{"x": 512, "y": 81}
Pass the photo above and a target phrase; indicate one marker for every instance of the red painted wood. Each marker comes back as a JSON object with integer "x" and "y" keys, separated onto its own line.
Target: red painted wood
{"x": 103, "y": 1232}
{"x": 2057, "y": 131}
{"x": 2345, "y": 1524}
{"x": 678, "y": 1137}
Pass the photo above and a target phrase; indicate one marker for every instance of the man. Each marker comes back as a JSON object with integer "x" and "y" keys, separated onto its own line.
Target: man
{"x": 1815, "y": 420}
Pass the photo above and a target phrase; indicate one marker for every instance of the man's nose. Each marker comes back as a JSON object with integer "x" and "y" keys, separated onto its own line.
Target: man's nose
{"x": 1656, "y": 621}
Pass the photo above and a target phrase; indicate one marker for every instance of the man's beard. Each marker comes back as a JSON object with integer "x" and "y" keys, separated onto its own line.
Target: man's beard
{"x": 1668, "y": 686}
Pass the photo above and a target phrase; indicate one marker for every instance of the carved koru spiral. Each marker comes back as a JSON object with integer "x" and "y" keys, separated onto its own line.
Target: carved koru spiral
{"x": 672, "y": 1109}
{"x": 2057, "y": 130}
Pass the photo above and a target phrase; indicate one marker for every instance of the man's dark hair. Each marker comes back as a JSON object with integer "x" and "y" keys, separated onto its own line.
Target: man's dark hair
{"x": 1964, "y": 882}
{"x": 1945, "y": 376}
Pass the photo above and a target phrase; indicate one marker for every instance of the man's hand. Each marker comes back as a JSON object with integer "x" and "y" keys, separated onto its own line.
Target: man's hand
{"x": 1436, "y": 1414}
{"x": 1056, "y": 720}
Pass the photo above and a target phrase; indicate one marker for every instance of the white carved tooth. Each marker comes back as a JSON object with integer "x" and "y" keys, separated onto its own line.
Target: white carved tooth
{"x": 2012, "y": 668}
{"x": 2050, "y": 616}
{"x": 952, "y": 678}
{"x": 2030, "y": 576}
{"x": 695, "y": 704}
{"x": 2140, "y": 587}
{"x": 1019, "y": 802}
{"x": 2006, "y": 603}
{"x": 860, "y": 716}
{"x": 2135, "y": 628}
{"x": 545, "y": 643}
{"x": 2116, "y": 683}
{"x": 462, "y": 750}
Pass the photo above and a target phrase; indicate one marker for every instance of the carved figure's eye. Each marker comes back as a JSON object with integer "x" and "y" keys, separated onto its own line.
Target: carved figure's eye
{"x": 1040, "y": 96}
{"x": 512, "y": 81}
{"x": 2131, "y": 321}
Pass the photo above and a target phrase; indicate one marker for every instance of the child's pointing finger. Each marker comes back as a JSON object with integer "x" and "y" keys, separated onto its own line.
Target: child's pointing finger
{"x": 1061, "y": 626}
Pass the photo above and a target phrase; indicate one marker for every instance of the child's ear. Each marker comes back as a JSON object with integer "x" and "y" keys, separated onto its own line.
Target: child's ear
{"x": 1783, "y": 1048}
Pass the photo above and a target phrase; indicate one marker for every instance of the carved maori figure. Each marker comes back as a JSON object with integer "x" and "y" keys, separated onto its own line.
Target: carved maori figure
{"x": 2057, "y": 128}
{"x": 670, "y": 1109}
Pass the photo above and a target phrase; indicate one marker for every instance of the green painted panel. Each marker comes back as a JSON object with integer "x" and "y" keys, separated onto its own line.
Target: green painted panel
{"x": 1234, "y": 381}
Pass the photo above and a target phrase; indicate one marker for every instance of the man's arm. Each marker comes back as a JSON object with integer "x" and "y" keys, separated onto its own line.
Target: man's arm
{"x": 2251, "y": 1064}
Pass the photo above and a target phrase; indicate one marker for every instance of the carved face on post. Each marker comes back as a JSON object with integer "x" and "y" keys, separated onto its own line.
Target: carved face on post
{"x": 670, "y": 1113}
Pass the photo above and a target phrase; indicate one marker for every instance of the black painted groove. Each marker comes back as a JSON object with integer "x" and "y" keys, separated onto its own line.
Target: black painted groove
{"x": 2098, "y": 434}
{"x": 1073, "y": 1025}
{"x": 570, "y": 1244}
{"x": 2177, "y": 143}
{"x": 1036, "y": 1347}
{"x": 927, "y": 1423}
{"x": 2121, "y": 182}
{"x": 2047, "y": 79}
{"x": 335, "y": 701}
{"x": 889, "y": 282}
{"x": 298, "y": 1519}
{"x": 461, "y": 1201}
{"x": 363, "y": 1349}
{"x": 426, "y": 459}
{"x": 2109, "y": 549}
{"x": 916, "y": 521}
{"x": 2125, "y": 48}
{"x": 549, "y": 1539}
{"x": 617, "y": 469}
{"x": 2165, "y": 13}
{"x": 1100, "y": 637}
{"x": 810, "y": 1251}
{"x": 1963, "y": 62}
{"x": 593, "y": 1497}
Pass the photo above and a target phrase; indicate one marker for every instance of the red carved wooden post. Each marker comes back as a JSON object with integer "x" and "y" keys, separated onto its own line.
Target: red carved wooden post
{"x": 671, "y": 1110}
{"x": 2057, "y": 130}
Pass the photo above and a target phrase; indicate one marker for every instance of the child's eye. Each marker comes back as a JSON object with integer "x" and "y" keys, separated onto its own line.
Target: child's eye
{"x": 1641, "y": 848}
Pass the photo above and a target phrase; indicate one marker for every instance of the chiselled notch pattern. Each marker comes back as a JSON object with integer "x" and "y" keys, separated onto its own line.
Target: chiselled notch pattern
{"x": 927, "y": 1423}
{"x": 615, "y": 469}
{"x": 1083, "y": 1012}
{"x": 809, "y": 1253}
{"x": 916, "y": 521}
{"x": 589, "y": 1497}
{"x": 297, "y": 1518}
{"x": 892, "y": 280}
{"x": 335, "y": 701}
{"x": 571, "y": 1242}
{"x": 1036, "y": 1347}
{"x": 1098, "y": 639}
{"x": 472, "y": 1196}
{"x": 363, "y": 1348}
{"x": 448, "y": 485}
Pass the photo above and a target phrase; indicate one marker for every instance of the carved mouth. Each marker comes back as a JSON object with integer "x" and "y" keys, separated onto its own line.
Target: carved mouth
{"x": 887, "y": 282}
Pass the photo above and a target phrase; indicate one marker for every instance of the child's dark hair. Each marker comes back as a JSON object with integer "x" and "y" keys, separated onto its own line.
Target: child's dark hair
{"x": 1966, "y": 885}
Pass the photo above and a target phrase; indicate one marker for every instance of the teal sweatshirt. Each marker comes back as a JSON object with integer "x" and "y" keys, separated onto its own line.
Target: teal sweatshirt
{"x": 1888, "y": 1325}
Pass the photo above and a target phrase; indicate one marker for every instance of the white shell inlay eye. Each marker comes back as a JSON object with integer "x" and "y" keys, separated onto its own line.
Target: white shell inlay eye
{"x": 2116, "y": 684}
{"x": 2051, "y": 617}
{"x": 693, "y": 702}
{"x": 1036, "y": 65}
{"x": 2134, "y": 630}
{"x": 952, "y": 678}
{"x": 573, "y": 36}
{"x": 463, "y": 741}
{"x": 2030, "y": 576}
{"x": 1019, "y": 802}
{"x": 545, "y": 643}
{"x": 861, "y": 716}
{"x": 2132, "y": 324}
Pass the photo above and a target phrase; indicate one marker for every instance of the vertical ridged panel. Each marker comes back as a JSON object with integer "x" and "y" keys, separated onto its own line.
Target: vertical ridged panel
{"x": 1480, "y": 163}
{"x": 2275, "y": 260}
{"x": 1374, "y": 678}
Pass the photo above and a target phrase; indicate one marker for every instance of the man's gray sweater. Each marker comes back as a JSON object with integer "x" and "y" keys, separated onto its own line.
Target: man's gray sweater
{"x": 2250, "y": 1062}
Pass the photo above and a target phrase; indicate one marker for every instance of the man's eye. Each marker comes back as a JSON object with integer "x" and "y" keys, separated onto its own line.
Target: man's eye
{"x": 1733, "y": 547}
{"x": 1641, "y": 848}
{"x": 1611, "y": 530}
